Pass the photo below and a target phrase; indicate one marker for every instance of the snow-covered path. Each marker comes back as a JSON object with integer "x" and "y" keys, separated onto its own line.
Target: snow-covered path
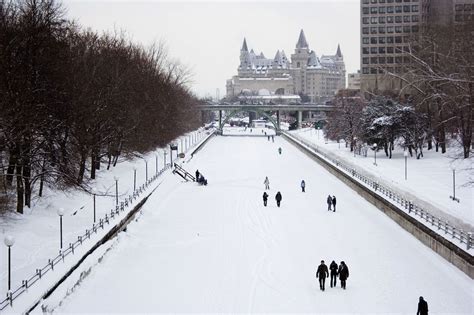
{"x": 217, "y": 249}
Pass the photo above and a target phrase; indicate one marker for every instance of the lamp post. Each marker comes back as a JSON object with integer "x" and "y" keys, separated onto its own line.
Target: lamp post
{"x": 405, "y": 154}
{"x": 454, "y": 187}
{"x": 375, "y": 153}
{"x": 146, "y": 171}
{"x": 60, "y": 213}
{"x": 354, "y": 146}
{"x": 164, "y": 157}
{"x": 116, "y": 189}
{"x": 134, "y": 178}
{"x": 9, "y": 241}
{"x": 318, "y": 133}
{"x": 156, "y": 164}
{"x": 94, "y": 193}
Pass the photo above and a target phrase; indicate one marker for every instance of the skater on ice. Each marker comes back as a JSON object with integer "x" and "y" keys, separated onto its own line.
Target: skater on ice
{"x": 422, "y": 307}
{"x": 278, "y": 198}
{"x": 279, "y": 150}
{"x": 303, "y": 185}
{"x": 333, "y": 203}
{"x": 267, "y": 183}
{"x": 322, "y": 273}
{"x": 265, "y": 198}
{"x": 343, "y": 274}
{"x": 329, "y": 202}
{"x": 333, "y": 268}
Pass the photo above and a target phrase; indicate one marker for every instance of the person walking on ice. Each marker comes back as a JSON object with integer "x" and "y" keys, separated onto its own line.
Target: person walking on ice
{"x": 329, "y": 202}
{"x": 322, "y": 273}
{"x": 265, "y": 198}
{"x": 422, "y": 307}
{"x": 333, "y": 268}
{"x": 343, "y": 274}
{"x": 267, "y": 183}
{"x": 279, "y": 150}
{"x": 303, "y": 185}
{"x": 333, "y": 203}
{"x": 278, "y": 199}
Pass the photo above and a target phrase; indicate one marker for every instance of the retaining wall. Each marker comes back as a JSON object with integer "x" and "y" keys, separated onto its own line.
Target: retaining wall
{"x": 446, "y": 249}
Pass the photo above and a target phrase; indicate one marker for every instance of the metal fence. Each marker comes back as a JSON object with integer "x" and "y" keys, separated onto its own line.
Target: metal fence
{"x": 39, "y": 273}
{"x": 437, "y": 224}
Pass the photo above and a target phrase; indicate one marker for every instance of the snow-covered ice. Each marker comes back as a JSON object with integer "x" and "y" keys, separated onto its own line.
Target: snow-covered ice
{"x": 217, "y": 249}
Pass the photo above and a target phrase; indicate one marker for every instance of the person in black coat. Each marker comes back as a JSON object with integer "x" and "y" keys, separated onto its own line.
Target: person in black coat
{"x": 265, "y": 198}
{"x": 422, "y": 307}
{"x": 333, "y": 268}
{"x": 343, "y": 274}
{"x": 197, "y": 175}
{"x": 322, "y": 273}
{"x": 333, "y": 203}
{"x": 278, "y": 198}
{"x": 329, "y": 202}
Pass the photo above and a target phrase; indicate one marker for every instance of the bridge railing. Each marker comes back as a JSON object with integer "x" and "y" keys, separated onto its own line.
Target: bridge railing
{"x": 406, "y": 205}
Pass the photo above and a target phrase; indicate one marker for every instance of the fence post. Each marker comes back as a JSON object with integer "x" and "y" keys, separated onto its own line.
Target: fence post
{"x": 439, "y": 223}
{"x": 445, "y": 227}
{"x": 469, "y": 241}
{"x": 410, "y": 206}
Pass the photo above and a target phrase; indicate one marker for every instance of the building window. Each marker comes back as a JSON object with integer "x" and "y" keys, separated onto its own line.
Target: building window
{"x": 365, "y": 50}
{"x": 382, "y": 29}
{"x": 381, "y": 60}
{"x": 415, "y": 28}
{"x": 373, "y": 20}
{"x": 406, "y": 8}
{"x": 373, "y": 60}
{"x": 381, "y": 50}
{"x": 389, "y": 1}
{"x": 365, "y": 60}
{"x": 365, "y": 20}
{"x": 415, "y": 18}
{"x": 365, "y": 10}
{"x": 381, "y": 1}
{"x": 365, "y": 40}
{"x": 373, "y": 50}
{"x": 382, "y": 19}
{"x": 406, "y": 18}
{"x": 398, "y": 19}
{"x": 414, "y": 8}
{"x": 365, "y": 70}
{"x": 373, "y": 30}
{"x": 365, "y": 30}
{"x": 389, "y": 50}
{"x": 406, "y": 28}
{"x": 398, "y": 29}
{"x": 389, "y": 29}
{"x": 389, "y": 9}
{"x": 373, "y": 70}
{"x": 398, "y": 9}
{"x": 389, "y": 19}
{"x": 398, "y": 59}
{"x": 382, "y": 10}
{"x": 389, "y": 59}
{"x": 381, "y": 40}
{"x": 398, "y": 39}
{"x": 459, "y": 7}
{"x": 373, "y": 10}
{"x": 373, "y": 40}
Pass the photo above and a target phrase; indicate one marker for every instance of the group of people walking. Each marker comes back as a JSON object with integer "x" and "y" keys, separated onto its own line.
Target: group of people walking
{"x": 331, "y": 201}
{"x": 322, "y": 273}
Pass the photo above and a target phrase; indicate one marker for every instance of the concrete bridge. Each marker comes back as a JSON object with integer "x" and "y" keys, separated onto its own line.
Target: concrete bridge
{"x": 266, "y": 110}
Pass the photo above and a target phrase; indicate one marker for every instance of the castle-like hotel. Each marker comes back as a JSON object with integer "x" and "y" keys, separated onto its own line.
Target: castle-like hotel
{"x": 306, "y": 73}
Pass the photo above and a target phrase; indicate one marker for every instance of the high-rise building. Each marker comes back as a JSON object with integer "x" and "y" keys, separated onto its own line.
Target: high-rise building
{"x": 317, "y": 78}
{"x": 388, "y": 26}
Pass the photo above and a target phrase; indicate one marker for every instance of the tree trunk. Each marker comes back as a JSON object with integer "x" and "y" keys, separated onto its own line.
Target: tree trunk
{"x": 12, "y": 163}
{"x": 19, "y": 190}
{"x": 82, "y": 168}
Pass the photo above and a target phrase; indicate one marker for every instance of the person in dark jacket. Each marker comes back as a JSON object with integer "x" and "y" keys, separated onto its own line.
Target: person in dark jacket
{"x": 333, "y": 203}
{"x": 343, "y": 274}
{"x": 197, "y": 175}
{"x": 279, "y": 150}
{"x": 422, "y": 307}
{"x": 265, "y": 198}
{"x": 278, "y": 198}
{"x": 322, "y": 273}
{"x": 303, "y": 185}
{"x": 329, "y": 202}
{"x": 333, "y": 268}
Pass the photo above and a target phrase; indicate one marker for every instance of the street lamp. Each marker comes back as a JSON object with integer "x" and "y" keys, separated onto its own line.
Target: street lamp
{"x": 156, "y": 164}
{"x": 164, "y": 157}
{"x": 405, "y": 154}
{"x": 375, "y": 153}
{"x": 61, "y": 213}
{"x": 354, "y": 146}
{"x": 318, "y": 133}
{"x": 116, "y": 189}
{"x": 454, "y": 187}
{"x": 9, "y": 241}
{"x": 146, "y": 171}
{"x": 94, "y": 193}
{"x": 134, "y": 178}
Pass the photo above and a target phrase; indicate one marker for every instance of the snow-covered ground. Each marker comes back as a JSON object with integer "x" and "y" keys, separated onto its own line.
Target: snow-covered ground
{"x": 36, "y": 232}
{"x": 218, "y": 249}
{"x": 429, "y": 179}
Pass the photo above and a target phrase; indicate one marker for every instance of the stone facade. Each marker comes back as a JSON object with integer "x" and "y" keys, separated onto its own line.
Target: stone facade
{"x": 305, "y": 73}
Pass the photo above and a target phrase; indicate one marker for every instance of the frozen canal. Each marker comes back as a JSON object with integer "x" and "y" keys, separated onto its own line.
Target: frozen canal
{"x": 218, "y": 249}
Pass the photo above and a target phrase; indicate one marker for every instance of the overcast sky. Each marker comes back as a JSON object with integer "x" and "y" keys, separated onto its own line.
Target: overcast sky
{"x": 207, "y": 36}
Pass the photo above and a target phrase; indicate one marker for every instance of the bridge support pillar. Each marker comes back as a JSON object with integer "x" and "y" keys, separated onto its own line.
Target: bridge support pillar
{"x": 300, "y": 118}
{"x": 220, "y": 119}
